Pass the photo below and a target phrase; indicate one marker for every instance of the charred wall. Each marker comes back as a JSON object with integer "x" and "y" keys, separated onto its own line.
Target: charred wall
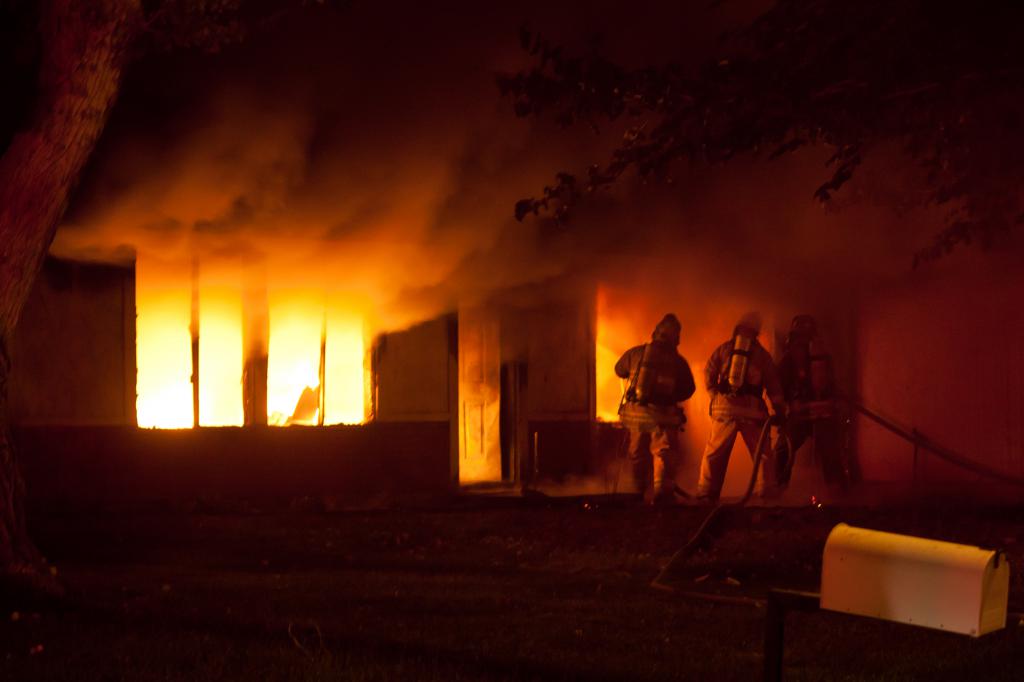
{"x": 413, "y": 372}
{"x": 560, "y": 406}
{"x": 414, "y": 378}
{"x": 73, "y": 352}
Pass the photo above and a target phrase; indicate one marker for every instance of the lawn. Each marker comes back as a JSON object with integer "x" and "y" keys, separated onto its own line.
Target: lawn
{"x": 466, "y": 589}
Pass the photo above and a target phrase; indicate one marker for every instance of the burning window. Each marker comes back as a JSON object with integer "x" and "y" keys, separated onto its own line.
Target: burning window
{"x": 310, "y": 348}
{"x": 293, "y": 372}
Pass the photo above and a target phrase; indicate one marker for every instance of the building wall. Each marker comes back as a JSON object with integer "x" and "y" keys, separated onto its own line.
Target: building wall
{"x": 84, "y": 465}
{"x": 413, "y": 372}
{"x": 561, "y": 362}
{"x": 560, "y": 389}
{"x": 73, "y": 352}
{"x": 943, "y": 353}
{"x": 414, "y": 379}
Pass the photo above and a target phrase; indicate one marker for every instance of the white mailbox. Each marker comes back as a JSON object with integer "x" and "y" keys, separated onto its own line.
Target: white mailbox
{"x": 942, "y": 585}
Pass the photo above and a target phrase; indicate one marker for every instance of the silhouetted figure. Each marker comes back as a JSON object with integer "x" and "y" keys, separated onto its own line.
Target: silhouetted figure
{"x": 738, "y": 375}
{"x": 659, "y": 379}
{"x": 808, "y": 383}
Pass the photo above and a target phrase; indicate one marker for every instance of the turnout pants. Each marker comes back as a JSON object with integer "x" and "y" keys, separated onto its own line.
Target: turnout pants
{"x": 654, "y": 455}
{"x": 826, "y": 451}
{"x": 723, "y": 434}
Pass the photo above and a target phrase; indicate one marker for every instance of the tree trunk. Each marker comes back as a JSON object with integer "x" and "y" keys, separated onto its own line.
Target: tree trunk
{"x": 83, "y": 52}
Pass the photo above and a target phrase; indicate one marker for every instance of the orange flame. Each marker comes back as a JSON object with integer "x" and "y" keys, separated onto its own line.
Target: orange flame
{"x": 297, "y": 318}
{"x": 612, "y": 341}
{"x": 294, "y": 366}
{"x": 220, "y": 356}
{"x": 163, "y": 354}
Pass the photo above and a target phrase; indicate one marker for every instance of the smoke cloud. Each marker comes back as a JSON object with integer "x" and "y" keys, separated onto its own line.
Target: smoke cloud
{"x": 373, "y": 158}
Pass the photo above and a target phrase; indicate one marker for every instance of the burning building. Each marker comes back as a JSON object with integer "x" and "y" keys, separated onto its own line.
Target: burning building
{"x": 280, "y": 252}
{"x": 113, "y": 361}
{"x": 123, "y": 389}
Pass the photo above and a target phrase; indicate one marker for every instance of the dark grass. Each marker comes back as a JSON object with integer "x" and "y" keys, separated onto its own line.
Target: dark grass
{"x": 483, "y": 591}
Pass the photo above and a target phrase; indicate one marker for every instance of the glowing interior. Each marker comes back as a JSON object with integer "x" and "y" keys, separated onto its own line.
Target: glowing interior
{"x": 344, "y": 397}
{"x": 294, "y": 367}
{"x": 220, "y": 357}
{"x": 163, "y": 347}
{"x": 612, "y": 340}
{"x": 297, "y": 318}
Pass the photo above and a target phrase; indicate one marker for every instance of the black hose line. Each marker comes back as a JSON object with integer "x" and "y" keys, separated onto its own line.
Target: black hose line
{"x": 687, "y": 550}
{"x": 914, "y": 437}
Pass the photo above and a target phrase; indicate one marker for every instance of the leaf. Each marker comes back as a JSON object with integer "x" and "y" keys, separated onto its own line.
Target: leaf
{"x": 787, "y": 147}
{"x": 524, "y": 207}
{"x": 525, "y": 37}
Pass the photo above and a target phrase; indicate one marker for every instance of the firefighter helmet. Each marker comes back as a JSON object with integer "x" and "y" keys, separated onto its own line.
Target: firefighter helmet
{"x": 656, "y": 375}
{"x": 667, "y": 330}
{"x": 803, "y": 328}
{"x": 750, "y": 323}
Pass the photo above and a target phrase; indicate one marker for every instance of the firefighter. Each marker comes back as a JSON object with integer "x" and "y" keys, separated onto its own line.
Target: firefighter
{"x": 659, "y": 379}
{"x": 738, "y": 375}
{"x": 808, "y": 384}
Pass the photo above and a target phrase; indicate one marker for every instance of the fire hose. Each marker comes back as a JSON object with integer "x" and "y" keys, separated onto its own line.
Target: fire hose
{"x": 918, "y": 439}
{"x": 687, "y": 550}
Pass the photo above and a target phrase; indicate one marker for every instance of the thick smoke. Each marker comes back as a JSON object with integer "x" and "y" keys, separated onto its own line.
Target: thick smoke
{"x": 373, "y": 158}
{"x": 359, "y": 154}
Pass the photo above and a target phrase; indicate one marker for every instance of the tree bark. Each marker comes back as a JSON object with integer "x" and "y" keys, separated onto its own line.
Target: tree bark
{"x": 84, "y": 51}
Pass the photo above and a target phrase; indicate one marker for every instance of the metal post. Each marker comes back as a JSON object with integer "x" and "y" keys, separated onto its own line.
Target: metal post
{"x": 323, "y": 372}
{"x": 193, "y": 329}
{"x": 774, "y": 636}
{"x": 536, "y": 456}
{"x": 778, "y": 602}
{"x": 255, "y": 337}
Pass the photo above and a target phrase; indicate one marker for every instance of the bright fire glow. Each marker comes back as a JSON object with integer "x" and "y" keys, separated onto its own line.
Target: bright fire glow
{"x": 344, "y": 369}
{"x": 296, "y": 318}
{"x": 163, "y": 347}
{"x": 612, "y": 342}
{"x": 220, "y": 356}
{"x": 626, "y": 317}
{"x": 163, "y": 353}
